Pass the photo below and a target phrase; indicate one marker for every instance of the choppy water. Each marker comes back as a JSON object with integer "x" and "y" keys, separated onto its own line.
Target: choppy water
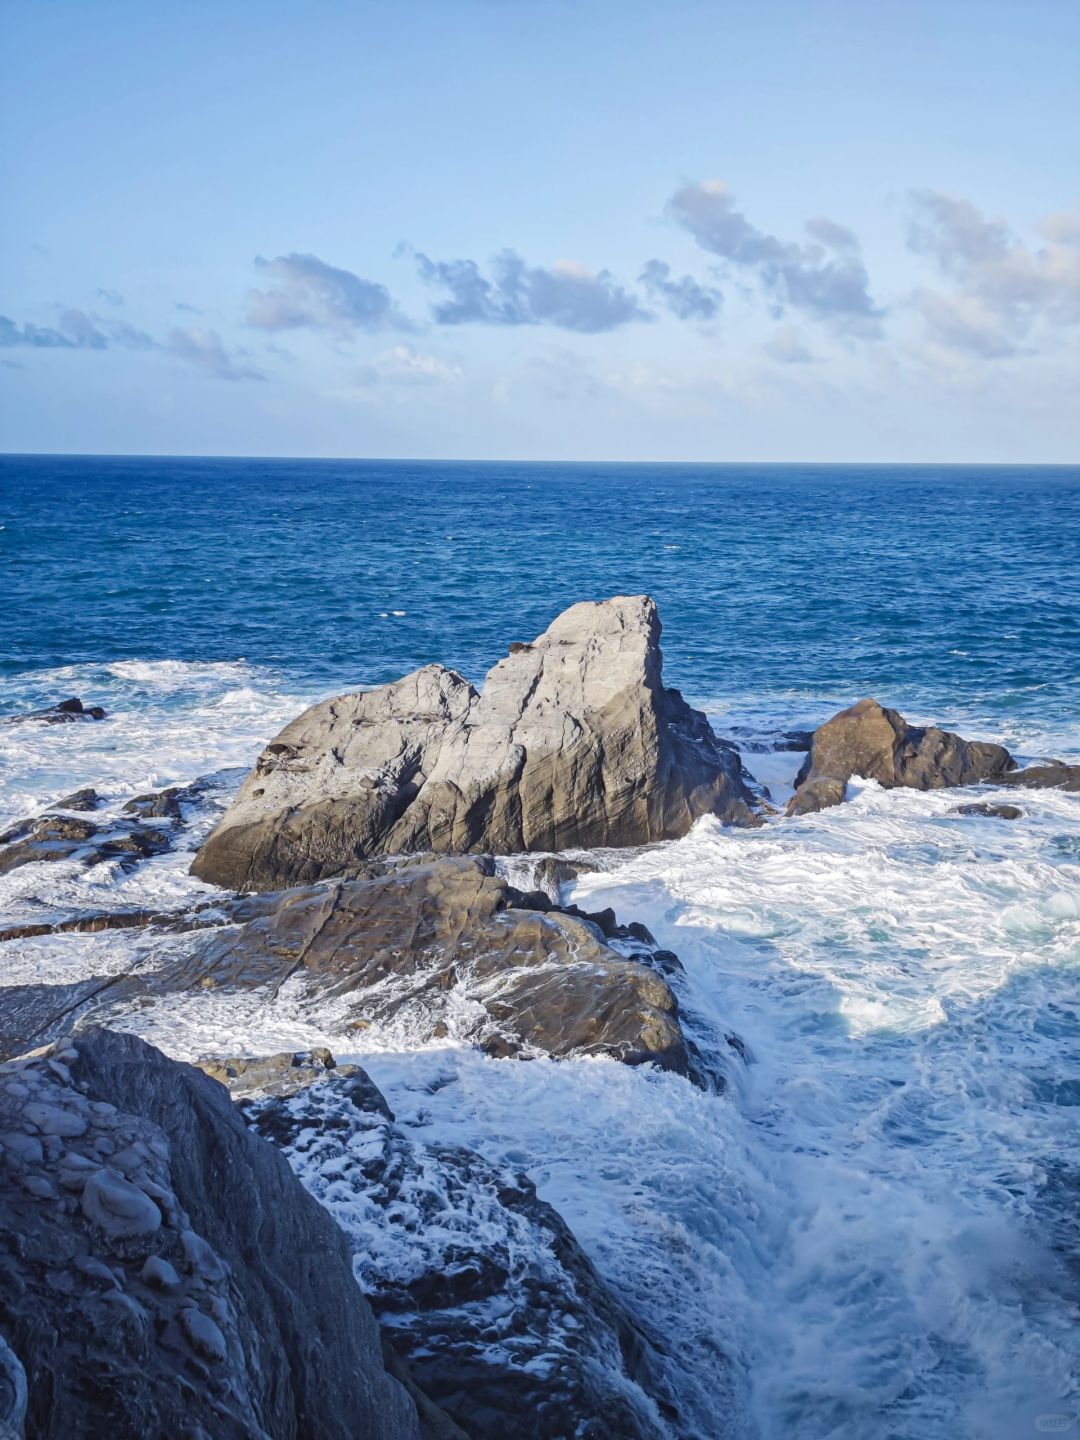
{"x": 879, "y": 1224}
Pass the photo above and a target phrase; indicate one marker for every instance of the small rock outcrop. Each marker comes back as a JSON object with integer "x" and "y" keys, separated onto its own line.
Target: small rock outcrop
{"x": 479, "y": 1284}
{"x": 1054, "y": 776}
{"x": 573, "y": 741}
{"x": 162, "y": 1270}
{"x": 68, "y": 837}
{"x": 61, "y": 714}
{"x": 993, "y": 812}
{"x": 444, "y": 947}
{"x": 879, "y": 744}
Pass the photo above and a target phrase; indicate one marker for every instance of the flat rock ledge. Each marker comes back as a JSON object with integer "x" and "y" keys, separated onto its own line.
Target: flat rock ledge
{"x": 572, "y": 742}
{"x": 442, "y": 947}
{"x": 879, "y": 744}
{"x": 162, "y": 1270}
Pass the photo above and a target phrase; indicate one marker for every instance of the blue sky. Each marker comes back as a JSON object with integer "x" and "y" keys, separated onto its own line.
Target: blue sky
{"x": 542, "y": 229}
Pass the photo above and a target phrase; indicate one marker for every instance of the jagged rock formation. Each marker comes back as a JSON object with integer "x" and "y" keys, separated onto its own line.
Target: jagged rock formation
{"x": 879, "y": 744}
{"x": 574, "y": 741}
{"x": 479, "y": 1284}
{"x": 163, "y": 1272}
{"x": 444, "y": 947}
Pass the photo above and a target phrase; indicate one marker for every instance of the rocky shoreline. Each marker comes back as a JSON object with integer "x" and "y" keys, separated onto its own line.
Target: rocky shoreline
{"x": 361, "y": 866}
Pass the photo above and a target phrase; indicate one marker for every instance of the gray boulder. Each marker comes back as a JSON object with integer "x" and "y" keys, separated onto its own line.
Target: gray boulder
{"x": 879, "y": 744}
{"x": 573, "y": 742}
{"x": 163, "y": 1272}
{"x": 446, "y": 947}
{"x": 479, "y": 1285}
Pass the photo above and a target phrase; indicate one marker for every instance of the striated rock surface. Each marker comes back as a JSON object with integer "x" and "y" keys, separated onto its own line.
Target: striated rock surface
{"x": 879, "y": 744}
{"x": 574, "y": 741}
{"x": 479, "y": 1284}
{"x": 162, "y": 1271}
{"x": 444, "y": 947}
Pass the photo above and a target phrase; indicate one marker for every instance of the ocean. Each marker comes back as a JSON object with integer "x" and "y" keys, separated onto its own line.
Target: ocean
{"x": 874, "y": 1232}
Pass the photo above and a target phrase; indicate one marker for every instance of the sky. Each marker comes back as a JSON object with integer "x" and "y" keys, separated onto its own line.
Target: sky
{"x": 765, "y": 230}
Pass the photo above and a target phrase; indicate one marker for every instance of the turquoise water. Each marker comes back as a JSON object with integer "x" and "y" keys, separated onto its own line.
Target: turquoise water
{"x": 874, "y": 1233}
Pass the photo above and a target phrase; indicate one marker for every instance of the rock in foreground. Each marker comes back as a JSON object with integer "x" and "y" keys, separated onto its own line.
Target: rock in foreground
{"x": 879, "y": 744}
{"x": 440, "y": 948}
{"x": 574, "y": 741}
{"x": 479, "y": 1284}
{"x": 163, "y": 1272}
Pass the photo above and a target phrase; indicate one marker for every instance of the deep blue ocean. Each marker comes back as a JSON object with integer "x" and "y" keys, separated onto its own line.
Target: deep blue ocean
{"x": 931, "y": 586}
{"x": 873, "y": 1232}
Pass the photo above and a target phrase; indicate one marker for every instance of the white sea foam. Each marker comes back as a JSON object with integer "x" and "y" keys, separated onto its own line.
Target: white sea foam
{"x": 871, "y": 1226}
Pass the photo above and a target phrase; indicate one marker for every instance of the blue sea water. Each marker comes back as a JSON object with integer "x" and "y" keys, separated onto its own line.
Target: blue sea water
{"x": 935, "y": 587}
{"x": 873, "y": 1234}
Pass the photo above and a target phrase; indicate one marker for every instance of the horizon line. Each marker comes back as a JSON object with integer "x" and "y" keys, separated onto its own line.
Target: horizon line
{"x": 510, "y": 460}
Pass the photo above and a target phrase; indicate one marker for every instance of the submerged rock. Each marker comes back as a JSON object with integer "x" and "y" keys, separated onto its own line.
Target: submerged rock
{"x": 479, "y": 1284}
{"x": 163, "y": 1272}
{"x": 573, "y": 742}
{"x": 997, "y": 812}
{"x": 444, "y": 947}
{"x": 879, "y": 744}
{"x": 63, "y": 713}
{"x": 81, "y": 800}
{"x": 68, "y": 837}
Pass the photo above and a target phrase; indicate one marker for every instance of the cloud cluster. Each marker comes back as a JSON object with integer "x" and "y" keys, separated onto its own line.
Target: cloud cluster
{"x": 307, "y": 293}
{"x": 565, "y": 295}
{"x": 76, "y": 330}
{"x": 685, "y": 298}
{"x": 1003, "y": 291}
{"x": 825, "y": 276}
{"x": 205, "y": 350}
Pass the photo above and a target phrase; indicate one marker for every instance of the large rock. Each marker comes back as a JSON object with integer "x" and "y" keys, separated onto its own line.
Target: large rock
{"x": 879, "y": 744}
{"x": 574, "y": 741}
{"x": 479, "y": 1284}
{"x": 163, "y": 1272}
{"x": 444, "y": 947}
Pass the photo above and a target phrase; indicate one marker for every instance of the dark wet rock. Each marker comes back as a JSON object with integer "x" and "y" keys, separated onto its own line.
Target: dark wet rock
{"x": 1054, "y": 776}
{"x": 478, "y": 1283}
{"x": 446, "y": 947}
{"x": 163, "y": 1272}
{"x": 879, "y": 744}
{"x": 573, "y": 742}
{"x": 67, "y": 837}
{"x": 998, "y": 812}
{"x": 63, "y": 713}
{"x": 82, "y": 800}
{"x": 160, "y": 805}
{"x": 757, "y": 743}
{"x": 196, "y": 917}
{"x": 167, "y": 804}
